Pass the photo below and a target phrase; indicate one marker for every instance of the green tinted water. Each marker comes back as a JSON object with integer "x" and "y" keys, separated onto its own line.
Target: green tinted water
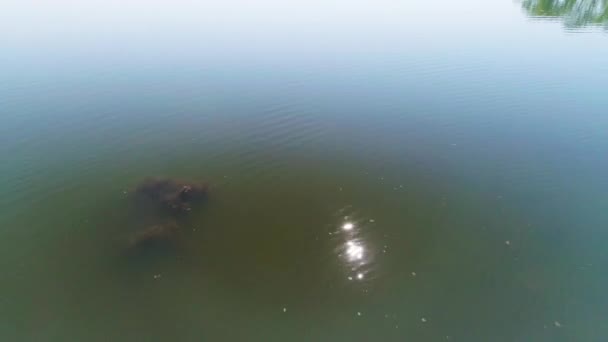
{"x": 387, "y": 171}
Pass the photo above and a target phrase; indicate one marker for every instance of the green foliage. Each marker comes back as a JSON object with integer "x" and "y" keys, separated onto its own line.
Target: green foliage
{"x": 575, "y": 13}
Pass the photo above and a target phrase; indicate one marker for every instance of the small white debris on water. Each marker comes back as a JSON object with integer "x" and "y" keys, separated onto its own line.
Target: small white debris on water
{"x": 413, "y": 274}
{"x": 350, "y": 278}
{"x": 358, "y": 313}
{"x": 284, "y": 309}
{"x": 156, "y": 276}
{"x": 348, "y": 226}
{"x": 372, "y": 220}
{"x": 557, "y": 324}
{"x": 360, "y": 276}
{"x": 423, "y": 320}
{"x": 508, "y": 243}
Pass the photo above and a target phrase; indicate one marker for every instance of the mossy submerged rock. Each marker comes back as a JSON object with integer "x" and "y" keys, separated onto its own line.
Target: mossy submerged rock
{"x": 160, "y": 235}
{"x": 165, "y": 201}
{"x": 173, "y": 195}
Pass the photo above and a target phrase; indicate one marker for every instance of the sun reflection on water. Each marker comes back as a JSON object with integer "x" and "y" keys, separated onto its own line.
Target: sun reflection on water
{"x": 353, "y": 249}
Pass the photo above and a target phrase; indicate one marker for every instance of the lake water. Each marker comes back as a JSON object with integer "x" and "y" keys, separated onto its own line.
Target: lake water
{"x": 378, "y": 170}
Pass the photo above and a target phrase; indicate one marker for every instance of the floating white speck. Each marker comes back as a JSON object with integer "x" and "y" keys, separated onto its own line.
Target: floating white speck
{"x": 360, "y": 276}
{"x": 423, "y": 320}
{"x": 557, "y": 324}
{"x": 284, "y": 309}
{"x": 372, "y": 220}
{"x": 413, "y": 274}
{"x": 156, "y": 276}
{"x": 348, "y": 226}
{"x": 350, "y": 278}
{"x": 358, "y": 313}
{"x": 507, "y": 242}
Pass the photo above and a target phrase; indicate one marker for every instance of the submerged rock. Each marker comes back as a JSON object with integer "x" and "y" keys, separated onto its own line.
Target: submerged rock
{"x": 162, "y": 203}
{"x": 173, "y": 195}
{"x": 156, "y": 236}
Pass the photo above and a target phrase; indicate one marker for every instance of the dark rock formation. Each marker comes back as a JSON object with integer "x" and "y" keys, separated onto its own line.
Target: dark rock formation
{"x": 172, "y": 195}
{"x": 163, "y": 203}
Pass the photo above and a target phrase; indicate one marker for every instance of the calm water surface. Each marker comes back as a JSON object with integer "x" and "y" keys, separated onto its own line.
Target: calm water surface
{"x": 379, "y": 171}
